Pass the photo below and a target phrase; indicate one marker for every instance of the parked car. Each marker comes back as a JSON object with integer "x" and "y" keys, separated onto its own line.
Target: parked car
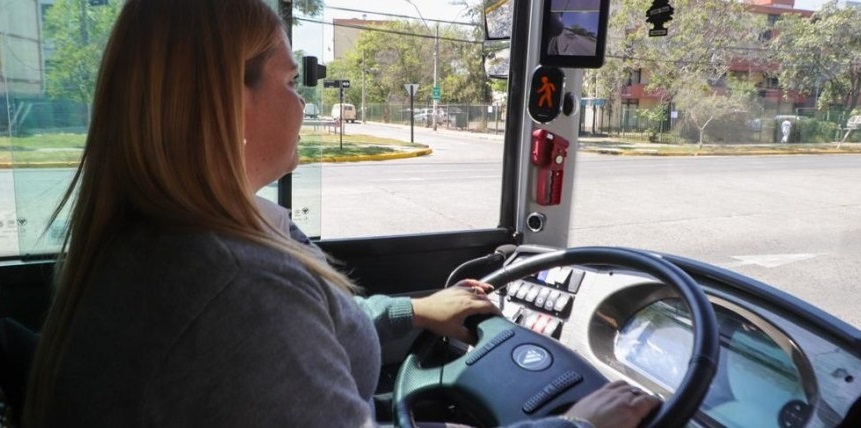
{"x": 348, "y": 109}
{"x": 312, "y": 111}
{"x": 424, "y": 115}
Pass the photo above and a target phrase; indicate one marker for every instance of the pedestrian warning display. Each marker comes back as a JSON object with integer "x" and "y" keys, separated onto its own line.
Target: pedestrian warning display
{"x": 545, "y": 94}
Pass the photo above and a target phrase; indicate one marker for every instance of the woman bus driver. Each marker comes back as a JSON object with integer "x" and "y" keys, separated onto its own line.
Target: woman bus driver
{"x": 177, "y": 302}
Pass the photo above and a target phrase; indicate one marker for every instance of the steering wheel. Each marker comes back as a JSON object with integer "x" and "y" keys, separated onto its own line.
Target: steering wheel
{"x": 515, "y": 374}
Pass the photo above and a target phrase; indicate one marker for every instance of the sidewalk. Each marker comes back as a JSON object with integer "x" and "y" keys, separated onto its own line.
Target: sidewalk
{"x": 615, "y": 145}
{"x": 618, "y": 146}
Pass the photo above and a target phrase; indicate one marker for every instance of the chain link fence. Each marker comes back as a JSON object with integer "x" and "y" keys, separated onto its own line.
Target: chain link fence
{"x": 805, "y": 125}
{"x": 488, "y": 118}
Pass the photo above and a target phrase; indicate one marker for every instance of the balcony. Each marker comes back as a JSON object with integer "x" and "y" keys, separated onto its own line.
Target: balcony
{"x": 638, "y": 92}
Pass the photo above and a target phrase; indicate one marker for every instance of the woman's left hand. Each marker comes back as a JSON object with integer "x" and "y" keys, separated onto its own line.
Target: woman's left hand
{"x": 444, "y": 312}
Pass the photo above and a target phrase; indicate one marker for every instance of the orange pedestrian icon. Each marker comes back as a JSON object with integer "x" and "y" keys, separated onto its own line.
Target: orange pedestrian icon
{"x": 546, "y": 91}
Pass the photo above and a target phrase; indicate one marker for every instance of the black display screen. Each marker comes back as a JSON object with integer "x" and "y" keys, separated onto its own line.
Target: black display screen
{"x": 574, "y": 33}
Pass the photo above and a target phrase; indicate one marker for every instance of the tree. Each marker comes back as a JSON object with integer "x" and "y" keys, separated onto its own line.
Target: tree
{"x": 704, "y": 103}
{"x": 402, "y": 52}
{"x": 77, "y": 32}
{"x": 308, "y": 7}
{"x": 705, "y": 36}
{"x": 821, "y": 55}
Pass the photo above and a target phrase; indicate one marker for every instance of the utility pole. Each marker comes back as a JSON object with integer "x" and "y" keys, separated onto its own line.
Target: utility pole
{"x": 435, "y": 60}
{"x": 364, "y": 16}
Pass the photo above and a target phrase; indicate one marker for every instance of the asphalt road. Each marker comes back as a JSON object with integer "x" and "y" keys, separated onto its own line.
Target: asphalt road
{"x": 790, "y": 221}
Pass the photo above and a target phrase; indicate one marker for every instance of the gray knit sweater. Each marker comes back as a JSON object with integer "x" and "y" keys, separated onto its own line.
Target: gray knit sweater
{"x": 197, "y": 329}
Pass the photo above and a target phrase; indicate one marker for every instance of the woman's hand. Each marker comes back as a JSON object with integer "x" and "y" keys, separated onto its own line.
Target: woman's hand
{"x": 615, "y": 405}
{"x": 443, "y": 312}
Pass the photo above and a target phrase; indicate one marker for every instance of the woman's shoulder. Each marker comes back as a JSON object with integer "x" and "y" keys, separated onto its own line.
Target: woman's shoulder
{"x": 203, "y": 263}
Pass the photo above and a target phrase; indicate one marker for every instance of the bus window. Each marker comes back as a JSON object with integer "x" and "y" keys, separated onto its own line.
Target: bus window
{"x": 386, "y": 169}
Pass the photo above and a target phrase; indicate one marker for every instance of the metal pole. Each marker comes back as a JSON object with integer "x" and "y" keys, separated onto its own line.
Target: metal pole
{"x": 496, "y": 110}
{"x": 341, "y": 118}
{"x": 412, "y": 116}
{"x": 435, "y": 59}
{"x": 363, "y": 86}
{"x": 285, "y": 183}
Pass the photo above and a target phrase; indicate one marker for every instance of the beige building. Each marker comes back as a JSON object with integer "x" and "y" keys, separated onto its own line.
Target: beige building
{"x": 21, "y": 70}
{"x": 346, "y": 33}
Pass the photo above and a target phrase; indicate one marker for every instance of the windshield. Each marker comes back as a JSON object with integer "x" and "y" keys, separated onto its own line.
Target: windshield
{"x": 734, "y": 139}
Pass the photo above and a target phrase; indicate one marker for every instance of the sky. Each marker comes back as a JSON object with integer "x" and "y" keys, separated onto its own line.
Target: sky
{"x": 316, "y": 39}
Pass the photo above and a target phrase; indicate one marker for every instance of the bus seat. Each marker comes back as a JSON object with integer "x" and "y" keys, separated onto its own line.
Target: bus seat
{"x": 17, "y": 348}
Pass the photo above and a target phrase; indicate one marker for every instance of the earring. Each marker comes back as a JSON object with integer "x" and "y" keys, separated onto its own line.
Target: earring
{"x": 244, "y": 141}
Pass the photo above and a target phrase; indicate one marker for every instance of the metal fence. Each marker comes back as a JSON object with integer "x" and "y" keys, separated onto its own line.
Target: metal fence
{"x": 805, "y": 126}
{"x": 471, "y": 117}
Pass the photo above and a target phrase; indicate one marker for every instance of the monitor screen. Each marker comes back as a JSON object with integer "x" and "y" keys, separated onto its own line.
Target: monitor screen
{"x": 574, "y": 33}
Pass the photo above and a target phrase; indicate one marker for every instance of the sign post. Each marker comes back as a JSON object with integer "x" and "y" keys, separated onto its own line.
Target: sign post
{"x": 341, "y": 85}
{"x": 412, "y": 88}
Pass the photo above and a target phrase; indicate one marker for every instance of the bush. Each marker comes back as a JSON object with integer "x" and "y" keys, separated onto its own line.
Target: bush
{"x": 729, "y": 129}
{"x": 818, "y": 131}
{"x": 687, "y": 131}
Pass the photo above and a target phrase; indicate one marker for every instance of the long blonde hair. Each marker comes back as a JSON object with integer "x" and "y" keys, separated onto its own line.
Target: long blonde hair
{"x": 164, "y": 147}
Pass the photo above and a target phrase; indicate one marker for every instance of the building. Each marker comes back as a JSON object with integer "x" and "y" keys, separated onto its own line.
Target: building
{"x": 346, "y": 33}
{"x": 21, "y": 70}
{"x": 634, "y": 95}
{"x": 22, "y": 75}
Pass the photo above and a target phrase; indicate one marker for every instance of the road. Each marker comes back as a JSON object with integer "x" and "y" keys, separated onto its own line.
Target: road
{"x": 790, "y": 221}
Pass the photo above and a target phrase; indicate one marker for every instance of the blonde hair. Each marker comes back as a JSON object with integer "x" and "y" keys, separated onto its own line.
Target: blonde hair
{"x": 164, "y": 147}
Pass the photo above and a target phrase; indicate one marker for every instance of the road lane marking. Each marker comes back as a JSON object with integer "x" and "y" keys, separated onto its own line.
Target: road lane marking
{"x": 769, "y": 260}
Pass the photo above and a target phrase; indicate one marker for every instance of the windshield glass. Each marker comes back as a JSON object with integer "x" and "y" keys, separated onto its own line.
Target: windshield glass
{"x": 734, "y": 139}
{"x": 730, "y": 140}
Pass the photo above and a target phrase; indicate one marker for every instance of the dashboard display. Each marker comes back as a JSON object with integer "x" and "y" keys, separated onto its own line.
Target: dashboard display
{"x": 562, "y": 277}
{"x": 756, "y": 380}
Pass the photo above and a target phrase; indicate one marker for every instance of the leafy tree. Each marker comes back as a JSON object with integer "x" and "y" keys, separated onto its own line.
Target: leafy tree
{"x": 821, "y": 55}
{"x": 308, "y": 7}
{"x": 704, "y": 103}
{"x": 77, "y": 32}
{"x": 393, "y": 57}
{"x": 705, "y": 36}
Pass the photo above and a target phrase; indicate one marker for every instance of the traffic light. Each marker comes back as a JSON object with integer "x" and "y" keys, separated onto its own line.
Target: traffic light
{"x": 311, "y": 71}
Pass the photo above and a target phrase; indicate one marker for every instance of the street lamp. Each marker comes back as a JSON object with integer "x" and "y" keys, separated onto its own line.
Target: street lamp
{"x": 435, "y": 58}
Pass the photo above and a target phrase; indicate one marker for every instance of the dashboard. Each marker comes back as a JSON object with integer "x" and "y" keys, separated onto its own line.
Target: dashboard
{"x": 779, "y": 366}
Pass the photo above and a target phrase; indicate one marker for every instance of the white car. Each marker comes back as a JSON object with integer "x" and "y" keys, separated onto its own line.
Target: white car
{"x": 425, "y": 114}
{"x": 349, "y": 112}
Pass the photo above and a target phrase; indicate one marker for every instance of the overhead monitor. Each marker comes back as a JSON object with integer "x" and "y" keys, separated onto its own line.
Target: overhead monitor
{"x": 574, "y": 33}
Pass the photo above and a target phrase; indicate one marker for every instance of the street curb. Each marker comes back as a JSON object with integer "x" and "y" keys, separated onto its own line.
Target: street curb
{"x": 379, "y": 157}
{"x": 332, "y": 159}
{"x": 9, "y": 165}
{"x": 655, "y": 152}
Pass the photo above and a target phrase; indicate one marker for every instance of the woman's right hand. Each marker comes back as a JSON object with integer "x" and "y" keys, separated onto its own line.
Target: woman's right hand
{"x": 615, "y": 405}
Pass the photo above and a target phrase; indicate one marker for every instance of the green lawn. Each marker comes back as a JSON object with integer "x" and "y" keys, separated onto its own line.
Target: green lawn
{"x": 66, "y": 148}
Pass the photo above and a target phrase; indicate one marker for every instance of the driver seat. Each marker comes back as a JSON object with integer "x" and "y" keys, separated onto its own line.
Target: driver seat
{"x": 17, "y": 349}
